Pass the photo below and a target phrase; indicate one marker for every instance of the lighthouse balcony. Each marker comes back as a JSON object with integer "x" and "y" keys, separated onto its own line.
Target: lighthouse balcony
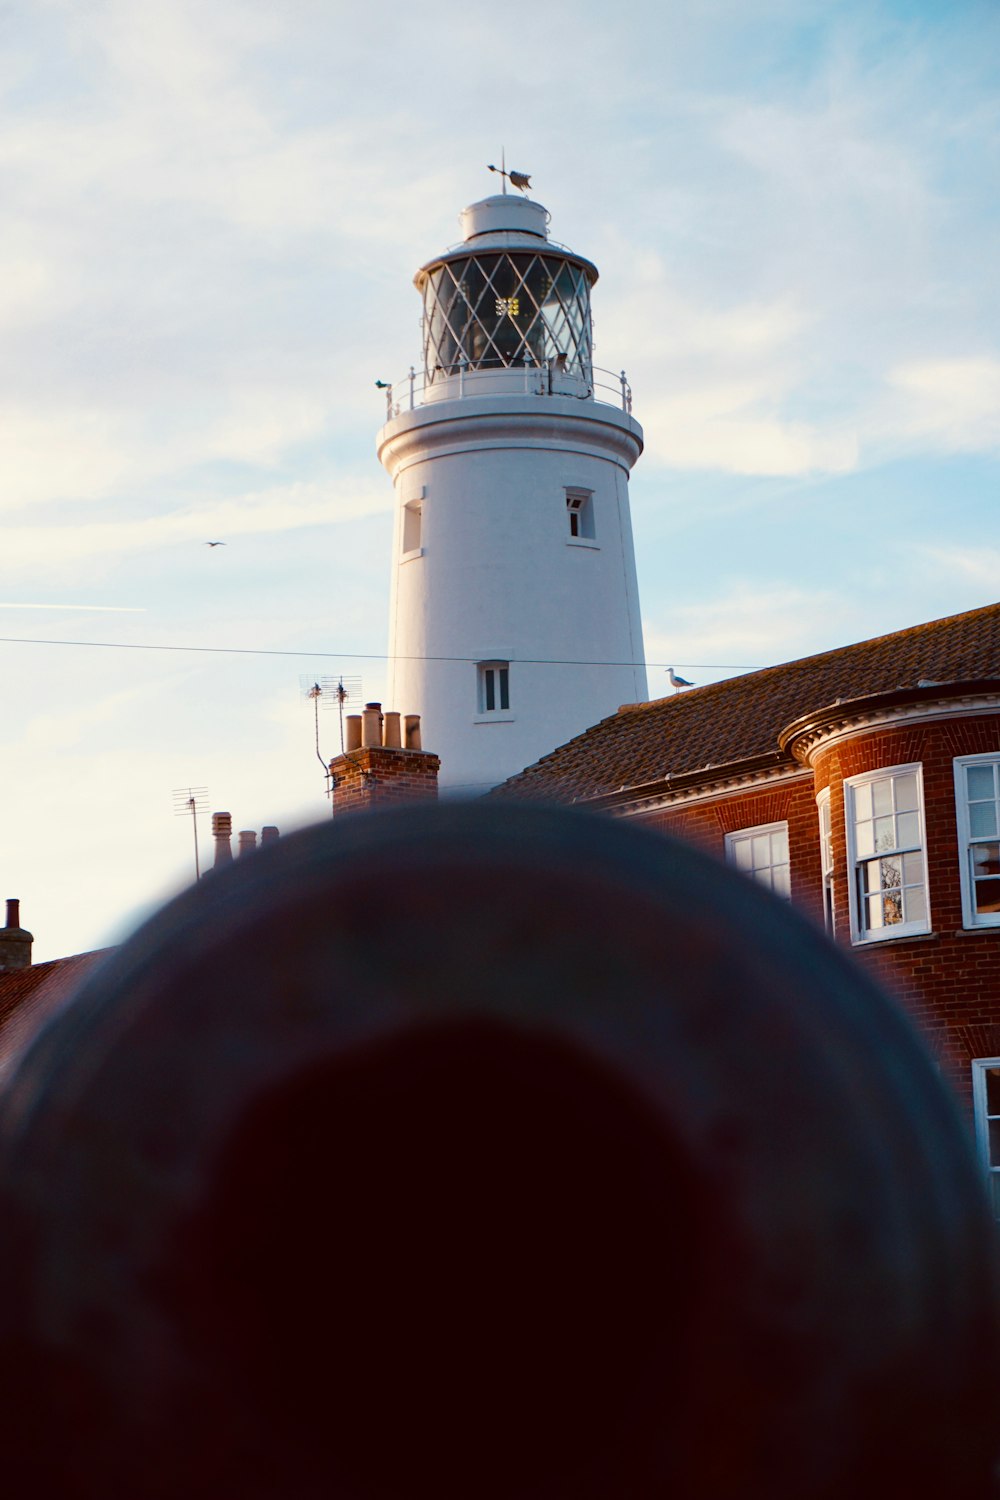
{"x": 532, "y": 378}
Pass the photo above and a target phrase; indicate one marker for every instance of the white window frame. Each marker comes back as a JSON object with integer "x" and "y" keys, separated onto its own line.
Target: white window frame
{"x": 761, "y": 874}
{"x": 860, "y": 931}
{"x": 981, "y": 1069}
{"x": 967, "y": 841}
{"x": 580, "y": 522}
{"x": 412, "y": 530}
{"x": 493, "y": 685}
{"x": 826, "y": 858}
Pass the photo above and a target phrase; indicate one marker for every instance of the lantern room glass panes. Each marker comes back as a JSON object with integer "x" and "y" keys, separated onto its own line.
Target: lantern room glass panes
{"x": 501, "y": 310}
{"x": 886, "y": 824}
{"x": 977, "y": 787}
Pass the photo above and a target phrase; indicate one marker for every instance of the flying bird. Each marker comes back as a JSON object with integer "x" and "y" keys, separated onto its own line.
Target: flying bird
{"x": 215, "y": 544}
{"x": 677, "y": 682}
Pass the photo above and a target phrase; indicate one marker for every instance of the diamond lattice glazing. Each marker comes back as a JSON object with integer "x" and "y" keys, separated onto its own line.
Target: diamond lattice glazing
{"x": 490, "y": 311}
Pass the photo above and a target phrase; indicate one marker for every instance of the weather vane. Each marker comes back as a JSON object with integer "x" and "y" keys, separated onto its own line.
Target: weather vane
{"x": 516, "y": 179}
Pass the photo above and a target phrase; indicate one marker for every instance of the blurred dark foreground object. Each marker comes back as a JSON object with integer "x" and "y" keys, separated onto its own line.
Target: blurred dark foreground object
{"x": 488, "y": 1154}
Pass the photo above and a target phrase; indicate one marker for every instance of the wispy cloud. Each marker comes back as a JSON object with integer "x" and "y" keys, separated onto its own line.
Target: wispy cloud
{"x": 113, "y": 609}
{"x": 284, "y": 508}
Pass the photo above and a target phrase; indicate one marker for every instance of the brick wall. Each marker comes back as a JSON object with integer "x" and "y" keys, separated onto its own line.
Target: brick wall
{"x": 376, "y": 776}
{"x": 707, "y": 822}
{"x": 949, "y": 979}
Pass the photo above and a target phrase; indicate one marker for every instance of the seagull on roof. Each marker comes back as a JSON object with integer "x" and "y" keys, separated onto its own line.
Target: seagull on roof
{"x": 677, "y": 682}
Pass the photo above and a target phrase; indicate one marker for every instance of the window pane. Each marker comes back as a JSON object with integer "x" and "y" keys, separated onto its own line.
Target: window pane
{"x": 890, "y": 874}
{"x": 779, "y": 847}
{"x": 874, "y": 905}
{"x": 761, "y": 851}
{"x": 983, "y": 819}
{"x": 870, "y": 879}
{"x": 885, "y": 833}
{"x": 907, "y": 830}
{"x": 504, "y": 687}
{"x": 915, "y": 904}
{"x": 913, "y": 869}
{"x": 987, "y": 896}
{"x": 780, "y": 881}
{"x": 906, "y": 792}
{"x": 862, "y": 802}
{"x": 979, "y": 780}
{"x": 882, "y": 796}
{"x": 994, "y": 1130}
{"x": 892, "y": 910}
{"x": 986, "y": 859}
{"x": 490, "y": 682}
{"x": 741, "y": 854}
{"x": 865, "y": 839}
{"x": 992, "y": 1091}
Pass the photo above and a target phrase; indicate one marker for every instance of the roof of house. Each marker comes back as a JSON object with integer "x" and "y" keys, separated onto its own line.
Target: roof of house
{"x": 28, "y": 995}
{"x": 701, "y": 730}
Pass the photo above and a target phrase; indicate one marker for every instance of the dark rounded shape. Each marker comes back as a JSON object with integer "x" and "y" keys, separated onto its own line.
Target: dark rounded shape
{"x": 488, "y": 1152}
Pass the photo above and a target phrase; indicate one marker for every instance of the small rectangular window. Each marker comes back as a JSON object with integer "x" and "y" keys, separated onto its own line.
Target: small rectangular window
{"x": 413, "y": 516}
{"x": 762, "y": 853}
{"x": 885, "y": 838}
{"x": 494, "y": 687}
{"x": 580, "y": 514}
{"x": 986, "y": 1108}
{"x": 977, "y": 806}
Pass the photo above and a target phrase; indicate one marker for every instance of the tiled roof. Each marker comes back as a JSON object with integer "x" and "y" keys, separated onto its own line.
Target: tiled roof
{"x": 739, "y": 720}
{"x": 28, "y": 995}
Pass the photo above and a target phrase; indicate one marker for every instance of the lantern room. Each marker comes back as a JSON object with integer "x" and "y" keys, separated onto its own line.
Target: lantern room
{"x": 507, "y": 298}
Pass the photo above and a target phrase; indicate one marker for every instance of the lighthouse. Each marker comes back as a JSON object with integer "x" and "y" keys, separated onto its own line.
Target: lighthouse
{"x": 514, "y": 615}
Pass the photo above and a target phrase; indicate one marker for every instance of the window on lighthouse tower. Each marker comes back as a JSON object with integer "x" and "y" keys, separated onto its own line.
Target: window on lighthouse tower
{"x": 580, "y": 514}
{"x": 494, "y": 687}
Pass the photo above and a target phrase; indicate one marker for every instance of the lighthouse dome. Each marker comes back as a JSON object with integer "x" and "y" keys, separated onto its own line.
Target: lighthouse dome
{"x": 504, "y": 213}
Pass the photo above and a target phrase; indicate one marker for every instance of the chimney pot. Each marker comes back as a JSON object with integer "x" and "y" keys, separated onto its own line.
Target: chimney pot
{"x": 353, "y": 722}
{"x": 15, "y": 942}
{"x": 248, "y": 841}
{"x": 411, "y": 726}
{"x": 390, "y": 732}
{"x": 371, "y": 726}
{"x": 222, "y": 832}
{"x": 268, "y": 834}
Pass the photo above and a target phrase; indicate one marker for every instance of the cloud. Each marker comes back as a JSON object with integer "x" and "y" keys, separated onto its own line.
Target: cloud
{"x": 283, "y": 508}
{"x": 723, "y": 428}
{"x": 979, "y": 564}
{"x": 115, "y": 609}
{"x": 952, "y": 404}
{"x": 746, "y": 626}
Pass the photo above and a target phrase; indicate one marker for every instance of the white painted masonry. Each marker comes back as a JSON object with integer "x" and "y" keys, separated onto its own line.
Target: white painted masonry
{"x": 501, "y": 441}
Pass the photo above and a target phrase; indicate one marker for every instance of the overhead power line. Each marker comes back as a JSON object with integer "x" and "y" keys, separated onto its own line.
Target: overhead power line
{"x": 526, "y": 661}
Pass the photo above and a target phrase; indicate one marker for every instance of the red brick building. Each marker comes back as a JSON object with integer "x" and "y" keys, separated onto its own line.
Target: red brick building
{"x": 863, "y": 784}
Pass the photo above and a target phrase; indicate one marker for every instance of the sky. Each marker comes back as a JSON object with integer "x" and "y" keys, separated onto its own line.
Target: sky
{"x": 210, "y": 217}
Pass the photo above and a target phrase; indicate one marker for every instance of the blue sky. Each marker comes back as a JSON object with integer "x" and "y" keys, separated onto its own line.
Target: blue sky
{"x": 211, "y": 217}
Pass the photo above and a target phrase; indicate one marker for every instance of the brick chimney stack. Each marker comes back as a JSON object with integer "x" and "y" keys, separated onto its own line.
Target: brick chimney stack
{"x": 15, "y": 940}
{"x": 383, "y": 764}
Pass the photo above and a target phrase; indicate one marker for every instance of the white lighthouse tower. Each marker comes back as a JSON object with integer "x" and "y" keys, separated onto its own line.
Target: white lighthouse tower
{"x": 514, "y": 620}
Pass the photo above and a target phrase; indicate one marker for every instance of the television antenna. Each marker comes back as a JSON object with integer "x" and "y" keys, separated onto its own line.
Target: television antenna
{"x": 330, "y": 692}
{"x": 189, "y": 801}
